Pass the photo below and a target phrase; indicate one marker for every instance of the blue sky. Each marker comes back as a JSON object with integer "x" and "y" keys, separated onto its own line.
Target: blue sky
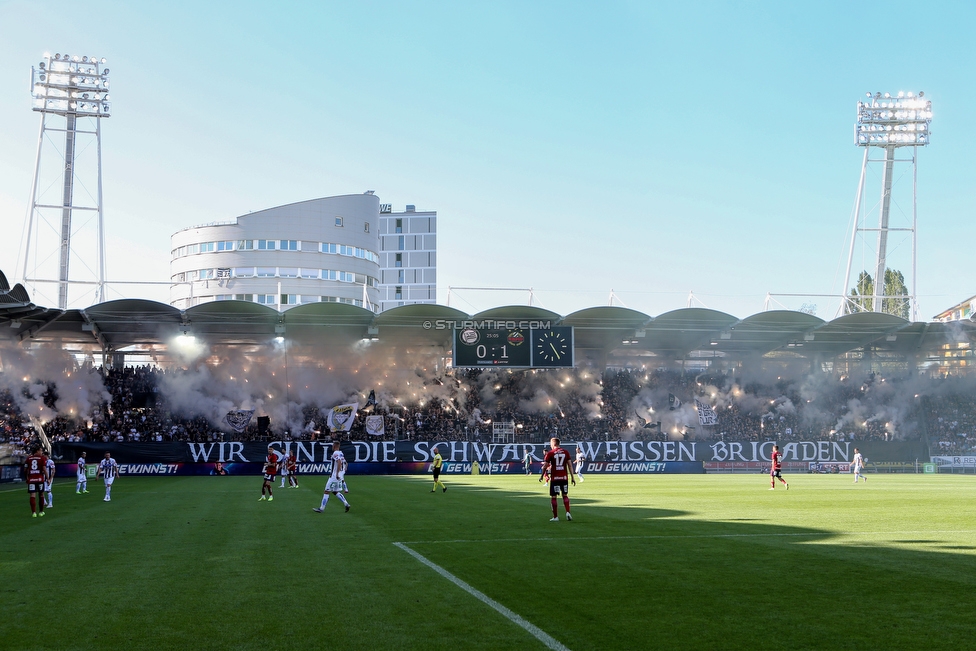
{"x": 649, "y": 148}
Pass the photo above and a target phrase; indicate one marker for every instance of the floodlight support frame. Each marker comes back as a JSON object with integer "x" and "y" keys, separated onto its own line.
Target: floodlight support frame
{"x": 67, "y": 194}
{"x": 860, "y": 230}
{"x": 71, "y": 114}
{"x": 844, "y": 306}
{"x": 878, "y": 295}
{"x": 883, "y": 220}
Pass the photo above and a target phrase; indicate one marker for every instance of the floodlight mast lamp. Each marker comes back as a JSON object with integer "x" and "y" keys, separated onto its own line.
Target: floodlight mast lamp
{"x": 889, "y": 123}
{"x": 73, "y": 87}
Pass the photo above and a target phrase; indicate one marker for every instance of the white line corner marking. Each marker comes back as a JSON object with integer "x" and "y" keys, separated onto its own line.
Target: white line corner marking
{"x": 536, "y": 632}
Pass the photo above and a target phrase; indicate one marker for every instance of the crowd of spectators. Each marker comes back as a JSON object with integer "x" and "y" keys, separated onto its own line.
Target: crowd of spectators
{"x": 950, "y": 419}
{"x": 572, "y": 404}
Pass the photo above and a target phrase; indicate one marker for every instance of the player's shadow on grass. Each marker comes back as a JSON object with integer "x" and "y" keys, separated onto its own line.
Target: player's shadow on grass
{"x": 664, "y": 578}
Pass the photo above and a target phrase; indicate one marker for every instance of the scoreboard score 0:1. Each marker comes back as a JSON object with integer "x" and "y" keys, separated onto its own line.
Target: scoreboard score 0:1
{"x": 514, "y": 348}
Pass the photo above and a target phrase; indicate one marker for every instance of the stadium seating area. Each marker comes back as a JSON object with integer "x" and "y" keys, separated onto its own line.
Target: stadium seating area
{"x": 573, "y": 404}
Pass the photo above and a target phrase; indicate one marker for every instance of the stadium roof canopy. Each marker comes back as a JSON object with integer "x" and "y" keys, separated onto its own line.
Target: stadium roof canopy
{"x": 600, "y": 332}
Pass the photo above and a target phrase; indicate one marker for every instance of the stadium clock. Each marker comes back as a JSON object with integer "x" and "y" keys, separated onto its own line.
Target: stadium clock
{"x": 552, "y": 347}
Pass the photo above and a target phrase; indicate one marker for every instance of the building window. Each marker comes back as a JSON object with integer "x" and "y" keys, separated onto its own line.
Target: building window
{"x": 225, "y": 246}
{"x": 399, "y": 260}
{"x": 206, "y": 247}
{"x": 266, "y": 245}
{"x": 400, "y": 275}
{"x": 338, "y": 221}
{"x": 288, "y": 272}
{"x": 397, "y": 293}
{"x": 346, "y": 277}
{"x": 266, "y": 299}
{"x": 244, "y": 297}
{"x": 245, "y": 245}
{"x": 400, "y": 243}
{"x": 206, "y": 274}
{"x": 224, "y": 297}
{"x": 366, "y": 227}
{"x": 399, "y": 225}
{"x": 192, "y": 248}
{"x": 266, "y": 272}
{"x": 289, "y": 299}
{"x": 309, "y": 273}
{"x": 243, "y": 272}
{"x": 288, "y": 245}
{"x": 351, "y": 251}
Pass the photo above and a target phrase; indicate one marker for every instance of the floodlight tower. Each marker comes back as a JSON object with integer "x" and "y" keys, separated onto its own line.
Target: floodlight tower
{"x": 73, "y": 87}
{"x": 889, "y": 124}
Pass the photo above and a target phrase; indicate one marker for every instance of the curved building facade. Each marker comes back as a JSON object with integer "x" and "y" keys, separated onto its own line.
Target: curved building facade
{"x": 318, "y": 250}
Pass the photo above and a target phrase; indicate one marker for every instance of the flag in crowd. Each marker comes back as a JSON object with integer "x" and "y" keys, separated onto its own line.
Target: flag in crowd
{"x": 341, "y": 417}
{"x": 238, "y": 419}
{"x": 706, "y": 415}
{"x": 673, "y": 402}
{"x": 375, "y": 425}
{"x": 371, "y": 400}
{"x": 646, "y": 425}
{"x": 41, "y": 434}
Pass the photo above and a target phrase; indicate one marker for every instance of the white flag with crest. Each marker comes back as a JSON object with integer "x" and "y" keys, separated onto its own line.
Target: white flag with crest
{"x": 341, "y": 417}
{"x": 375, "y": 425}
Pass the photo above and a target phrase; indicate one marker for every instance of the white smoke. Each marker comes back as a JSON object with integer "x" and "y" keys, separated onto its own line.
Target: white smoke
{"x": 29, "y": 375}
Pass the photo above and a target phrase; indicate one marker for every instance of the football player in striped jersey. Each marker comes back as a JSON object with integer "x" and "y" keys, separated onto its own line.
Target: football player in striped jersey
{"x": 48, "y": 480}
{"x": 82, "y": 475}
{"x": 109, "y": 469}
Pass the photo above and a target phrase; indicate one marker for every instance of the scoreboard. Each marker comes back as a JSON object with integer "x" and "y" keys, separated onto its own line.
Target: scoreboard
{"x": 513, "y": 348}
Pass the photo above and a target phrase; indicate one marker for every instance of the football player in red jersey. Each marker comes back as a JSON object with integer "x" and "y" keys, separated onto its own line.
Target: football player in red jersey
{"x": 776, "y": 468}
{"x": 292, "y": 464}
{"x": 36, "y": 467}
{"x": 271, "y": 464}
{"x": 558, "y": 464}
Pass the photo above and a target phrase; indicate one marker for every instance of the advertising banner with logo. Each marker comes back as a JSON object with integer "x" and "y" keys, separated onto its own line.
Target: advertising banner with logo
{"x": 956, "y": 461}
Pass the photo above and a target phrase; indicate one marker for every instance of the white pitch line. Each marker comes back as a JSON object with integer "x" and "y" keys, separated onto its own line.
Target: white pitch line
{"x": 535, "y": 631}
{"x": 716, "y": 535}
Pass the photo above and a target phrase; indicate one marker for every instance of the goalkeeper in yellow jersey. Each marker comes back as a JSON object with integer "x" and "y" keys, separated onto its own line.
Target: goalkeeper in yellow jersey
{"x": 435, "y": 467}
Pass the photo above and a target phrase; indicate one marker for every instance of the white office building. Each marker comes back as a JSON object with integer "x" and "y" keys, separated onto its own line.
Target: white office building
{"x": 334, "y": 249}
{"x": 408, "y": 256}
{"x": 306, "y": 252}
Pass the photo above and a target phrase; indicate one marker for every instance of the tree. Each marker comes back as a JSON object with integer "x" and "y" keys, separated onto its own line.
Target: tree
{"x": 861, "y": 294}
{"x": 895, "y": 301}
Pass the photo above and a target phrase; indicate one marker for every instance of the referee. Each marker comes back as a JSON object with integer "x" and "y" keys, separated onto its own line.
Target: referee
{"x": 435, "y": 467}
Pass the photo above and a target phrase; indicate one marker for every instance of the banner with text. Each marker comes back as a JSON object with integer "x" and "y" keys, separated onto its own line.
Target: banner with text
{"x": 467, "y": 451}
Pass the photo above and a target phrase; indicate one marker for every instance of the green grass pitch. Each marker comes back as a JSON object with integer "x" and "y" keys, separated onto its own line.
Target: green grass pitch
{"x": 671, "y": 562}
